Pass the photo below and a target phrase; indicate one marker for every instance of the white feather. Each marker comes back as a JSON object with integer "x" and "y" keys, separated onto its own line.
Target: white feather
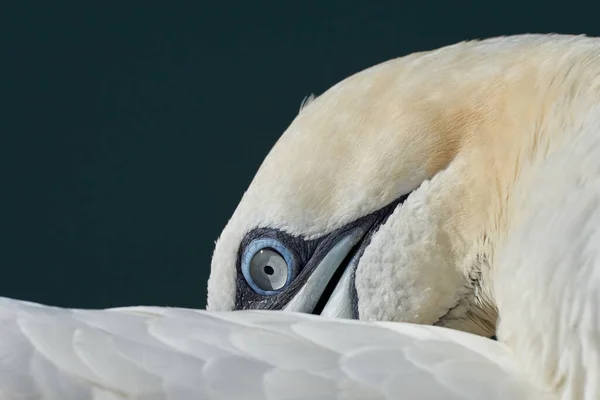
{"x": 182, "y": 354}
{"x": 524, "y": 111}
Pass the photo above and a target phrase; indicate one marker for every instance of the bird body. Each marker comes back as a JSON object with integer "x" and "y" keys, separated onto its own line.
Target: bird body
{"x": 458, "y": 187}
{"x": 179, "y": 354}
{"x": 482, "y": 138}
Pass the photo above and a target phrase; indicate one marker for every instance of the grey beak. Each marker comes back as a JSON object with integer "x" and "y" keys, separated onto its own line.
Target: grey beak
{"x": 339, "y": 303}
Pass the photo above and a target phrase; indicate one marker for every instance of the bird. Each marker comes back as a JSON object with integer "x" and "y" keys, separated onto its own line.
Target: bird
{"x": 183, "y": 354}
{"x": 407, "y": 214}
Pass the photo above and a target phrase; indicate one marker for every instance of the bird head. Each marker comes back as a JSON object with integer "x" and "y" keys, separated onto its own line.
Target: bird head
{"x": 388, "y": 195}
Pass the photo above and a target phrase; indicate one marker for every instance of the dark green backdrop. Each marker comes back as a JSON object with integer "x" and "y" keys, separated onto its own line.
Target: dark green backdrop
{"x": 130, "y": 132}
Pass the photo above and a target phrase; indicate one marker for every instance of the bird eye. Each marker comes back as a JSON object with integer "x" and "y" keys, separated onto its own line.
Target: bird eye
{"x": 267, "y": 266}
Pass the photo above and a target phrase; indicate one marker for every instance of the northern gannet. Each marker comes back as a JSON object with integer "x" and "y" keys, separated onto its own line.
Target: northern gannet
{"x": 458, "y": 187}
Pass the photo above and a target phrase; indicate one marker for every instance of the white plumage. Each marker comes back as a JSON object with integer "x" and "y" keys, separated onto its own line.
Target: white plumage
{"x": 458, "y": 188}
{"x": 170, "y": 353}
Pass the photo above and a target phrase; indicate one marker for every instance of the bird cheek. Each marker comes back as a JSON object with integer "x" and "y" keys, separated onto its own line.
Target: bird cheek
{"x": 406, "y": 273}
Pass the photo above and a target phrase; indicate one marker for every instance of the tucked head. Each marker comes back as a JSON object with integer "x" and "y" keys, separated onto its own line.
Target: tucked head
{"x": 387, "y": 195}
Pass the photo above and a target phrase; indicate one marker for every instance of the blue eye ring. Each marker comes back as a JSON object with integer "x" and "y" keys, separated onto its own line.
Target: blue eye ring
{"x": 272, "y": 244}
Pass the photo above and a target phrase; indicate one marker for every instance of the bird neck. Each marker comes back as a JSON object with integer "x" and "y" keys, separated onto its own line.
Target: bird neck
{"x": 546, "y": 278}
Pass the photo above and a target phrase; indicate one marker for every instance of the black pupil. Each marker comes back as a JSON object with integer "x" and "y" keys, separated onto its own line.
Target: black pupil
{"x": 269, "y": 270}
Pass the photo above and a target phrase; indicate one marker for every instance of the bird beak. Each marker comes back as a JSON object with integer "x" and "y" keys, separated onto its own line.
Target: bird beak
{"x": 330, "y": 289}
{"x": 340, "y": 303}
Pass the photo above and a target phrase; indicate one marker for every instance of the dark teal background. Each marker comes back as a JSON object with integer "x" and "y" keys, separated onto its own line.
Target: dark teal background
{"x": 129, "y": 132}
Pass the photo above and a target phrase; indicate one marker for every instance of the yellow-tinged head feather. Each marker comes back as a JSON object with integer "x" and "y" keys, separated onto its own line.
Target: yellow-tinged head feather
{"x": 457, "y": 127}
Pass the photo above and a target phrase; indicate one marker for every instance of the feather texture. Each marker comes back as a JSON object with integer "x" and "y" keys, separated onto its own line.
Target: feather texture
{"x": 170, "y": 353}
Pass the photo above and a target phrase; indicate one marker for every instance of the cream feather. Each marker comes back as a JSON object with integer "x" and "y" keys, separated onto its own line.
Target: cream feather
{"x": 498, "y": 143}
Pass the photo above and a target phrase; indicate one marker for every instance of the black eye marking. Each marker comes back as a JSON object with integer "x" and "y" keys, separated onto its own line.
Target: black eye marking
{"x": 306, "y": 254}
{"x": 301, "y": 249}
